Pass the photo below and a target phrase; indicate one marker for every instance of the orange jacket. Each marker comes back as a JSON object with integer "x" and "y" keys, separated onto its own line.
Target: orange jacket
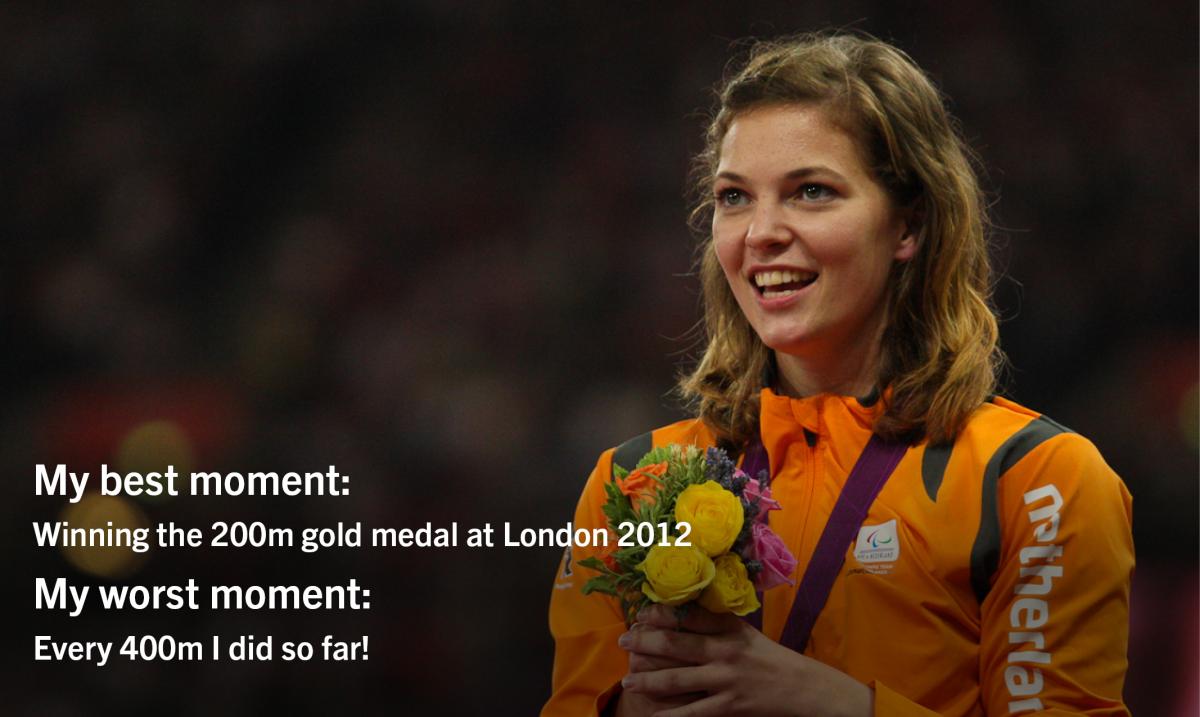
{"x": 1001, "y": 587}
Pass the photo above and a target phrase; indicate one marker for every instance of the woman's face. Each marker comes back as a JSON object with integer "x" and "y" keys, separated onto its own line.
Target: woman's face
{"x": 805, "y": 234}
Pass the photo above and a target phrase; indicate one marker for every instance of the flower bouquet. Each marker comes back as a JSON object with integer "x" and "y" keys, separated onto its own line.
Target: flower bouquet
{"x": 690, "y": 527}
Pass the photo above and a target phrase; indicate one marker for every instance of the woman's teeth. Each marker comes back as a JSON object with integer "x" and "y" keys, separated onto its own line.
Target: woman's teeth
{"x": 782, "y": 283}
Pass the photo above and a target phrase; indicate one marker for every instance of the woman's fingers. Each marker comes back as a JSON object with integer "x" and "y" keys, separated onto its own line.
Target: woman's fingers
{"x": 711, "y": 706}
{"x": 683, "y": 646}
{"x": 642, "y": 662}
{"x": 646, "y": 663}
{"x": 674, "y": 681}
{"x": 641, "y": 705}
{"x": 695, "y": 619}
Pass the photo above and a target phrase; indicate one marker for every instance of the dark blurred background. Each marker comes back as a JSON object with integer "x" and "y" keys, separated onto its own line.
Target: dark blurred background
{"x": 442, "y": 245}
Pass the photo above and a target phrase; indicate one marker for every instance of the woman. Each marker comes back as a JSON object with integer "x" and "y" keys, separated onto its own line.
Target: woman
{"x": 846, "y": 289}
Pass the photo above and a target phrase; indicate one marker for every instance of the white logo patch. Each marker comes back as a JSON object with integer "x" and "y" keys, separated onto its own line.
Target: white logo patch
{"x": 564, "y": 580}
{"x": 567, "y": 564}
{"x": 878, "y": 543}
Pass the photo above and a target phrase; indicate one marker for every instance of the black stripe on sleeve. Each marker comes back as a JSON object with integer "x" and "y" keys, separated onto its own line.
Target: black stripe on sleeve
{"x": 630, "y": 452}
{"x": 985, "y": 553}
{"x": 933, "y": 467}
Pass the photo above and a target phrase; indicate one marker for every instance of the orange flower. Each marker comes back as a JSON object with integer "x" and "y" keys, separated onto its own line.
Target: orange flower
{"x": 641, "y": 483}
{"x": 606, "y": 557}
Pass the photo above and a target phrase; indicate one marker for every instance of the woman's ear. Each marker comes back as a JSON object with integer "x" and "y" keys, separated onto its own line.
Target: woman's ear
{"x": 910, "y": 239}
{"x": 907, "y": 248}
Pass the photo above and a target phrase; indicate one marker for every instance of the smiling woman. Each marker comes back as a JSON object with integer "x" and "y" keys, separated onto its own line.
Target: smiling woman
{"x": 806, "y": 238}
{"x": 957, "y": 553}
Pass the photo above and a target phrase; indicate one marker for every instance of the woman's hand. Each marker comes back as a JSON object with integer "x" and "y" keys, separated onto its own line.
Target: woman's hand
{"x": 737, "y": 669}
{"x": 635, "y": 704}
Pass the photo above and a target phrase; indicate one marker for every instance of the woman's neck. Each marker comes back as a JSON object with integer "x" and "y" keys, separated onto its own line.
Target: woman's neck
{"x": 849, "y": 371}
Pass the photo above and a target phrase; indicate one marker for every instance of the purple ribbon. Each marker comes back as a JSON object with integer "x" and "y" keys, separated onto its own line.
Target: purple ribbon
{"x": 872, "y": 470}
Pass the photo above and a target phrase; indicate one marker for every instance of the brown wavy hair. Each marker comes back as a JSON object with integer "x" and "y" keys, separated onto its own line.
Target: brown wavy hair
{"x": 939, "y": 355}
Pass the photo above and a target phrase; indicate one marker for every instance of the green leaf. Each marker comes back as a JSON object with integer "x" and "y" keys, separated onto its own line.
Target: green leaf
{"x": 600, "y": 585}
{"x": 618, "y": 508}
{"x": 655, "y": 456}
{"x": 595, "y": 564}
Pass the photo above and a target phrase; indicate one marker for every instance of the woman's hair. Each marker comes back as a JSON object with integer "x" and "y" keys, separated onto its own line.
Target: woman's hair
{"x": 939, "y": 353}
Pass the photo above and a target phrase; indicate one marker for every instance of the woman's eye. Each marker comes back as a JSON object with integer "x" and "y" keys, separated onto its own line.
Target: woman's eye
{"x": 815, "y": 192}
{"x": 731, "y": 197}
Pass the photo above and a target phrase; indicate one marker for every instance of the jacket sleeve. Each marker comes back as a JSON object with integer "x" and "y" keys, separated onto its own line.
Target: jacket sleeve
{"x": 1055, "y": 622}
{"x": 588, "y": 665}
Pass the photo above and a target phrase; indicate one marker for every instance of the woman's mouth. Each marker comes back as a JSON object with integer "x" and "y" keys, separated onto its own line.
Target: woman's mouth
{"x": 776, "y": 284}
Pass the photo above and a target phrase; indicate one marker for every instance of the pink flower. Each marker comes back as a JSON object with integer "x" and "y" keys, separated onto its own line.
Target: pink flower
{"x": 777, "y": 561}
{"x": 754, "y": 493}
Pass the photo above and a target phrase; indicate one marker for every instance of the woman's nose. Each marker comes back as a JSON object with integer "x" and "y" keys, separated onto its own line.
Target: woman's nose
{"x": 767, "y": 227}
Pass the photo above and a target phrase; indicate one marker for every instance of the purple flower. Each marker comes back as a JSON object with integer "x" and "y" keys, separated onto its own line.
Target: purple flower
{"x": 770, "y": 551}
{"x": 760, "y": 494}
{"x": 719, "y": 468}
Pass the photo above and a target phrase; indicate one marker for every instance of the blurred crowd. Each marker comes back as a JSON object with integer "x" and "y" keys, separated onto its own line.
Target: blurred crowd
{"x": 443, "y": 246}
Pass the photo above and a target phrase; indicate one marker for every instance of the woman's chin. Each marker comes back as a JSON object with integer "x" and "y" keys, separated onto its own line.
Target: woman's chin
{"x": 793, "y": 343}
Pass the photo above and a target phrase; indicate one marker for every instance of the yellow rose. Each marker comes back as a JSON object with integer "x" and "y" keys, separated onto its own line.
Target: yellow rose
{"x": 714, "y": 513}
{"x": 675, "y": 573}
{"x": 731, "y": 589}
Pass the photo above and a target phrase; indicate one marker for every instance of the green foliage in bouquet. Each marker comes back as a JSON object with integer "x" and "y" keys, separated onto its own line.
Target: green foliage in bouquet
{"x": 645, "y": 495}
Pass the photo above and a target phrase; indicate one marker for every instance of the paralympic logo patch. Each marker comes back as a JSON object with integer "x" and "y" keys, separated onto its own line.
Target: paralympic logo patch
{"x": 878, "y": 543}
{"x": 567, "y": 563}
{"x": 564, "y": 580}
